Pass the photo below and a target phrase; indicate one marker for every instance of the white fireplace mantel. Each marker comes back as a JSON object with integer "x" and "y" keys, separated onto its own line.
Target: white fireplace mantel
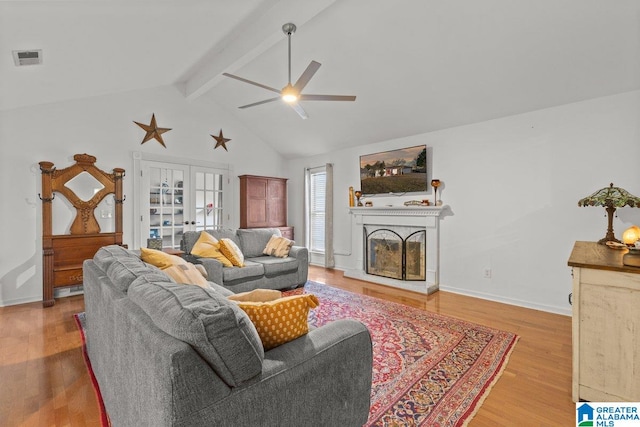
{"x": 427, "y": 217}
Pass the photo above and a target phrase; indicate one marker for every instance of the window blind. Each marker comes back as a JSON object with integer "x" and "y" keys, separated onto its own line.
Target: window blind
{"x": 317, "y": 210}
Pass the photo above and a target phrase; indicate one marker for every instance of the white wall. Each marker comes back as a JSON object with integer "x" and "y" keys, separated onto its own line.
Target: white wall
{"x": 103, "y": 127}
{"x": 513, "y": 186}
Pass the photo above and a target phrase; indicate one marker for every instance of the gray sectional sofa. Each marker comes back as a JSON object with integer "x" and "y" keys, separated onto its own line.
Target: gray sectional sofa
{"x": 167, "y": 354}
{"x": 260, "y": 271}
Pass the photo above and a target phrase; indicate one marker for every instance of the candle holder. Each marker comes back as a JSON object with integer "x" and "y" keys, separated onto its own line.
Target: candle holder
{"x": 435, "y": 183}
{"x": 358, "y": 194}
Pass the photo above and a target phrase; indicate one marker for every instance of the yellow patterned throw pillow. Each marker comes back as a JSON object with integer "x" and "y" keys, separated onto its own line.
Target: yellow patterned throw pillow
{"x": 186, "y": 274}
{"x": 160, "y": 259}
{"x": 278, "y": 246}
{"x": 281, "y": 320}
{"x": 208, "y": 246}
{"x": 233, "y": 253}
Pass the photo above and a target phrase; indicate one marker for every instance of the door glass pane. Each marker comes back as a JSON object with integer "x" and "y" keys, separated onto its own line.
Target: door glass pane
{"x": 208, "y": 200}
{"x": 166, "y": 205}
{"x": 181, "y": 198}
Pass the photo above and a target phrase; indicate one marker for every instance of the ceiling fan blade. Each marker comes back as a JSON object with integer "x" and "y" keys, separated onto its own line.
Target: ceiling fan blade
{"x": 327, "y": 98}
{"x": 306, "y": 76}
{"x": 260, "y": 102}
{"x": 252, "y": 82}
{"x": 298, "y": 109}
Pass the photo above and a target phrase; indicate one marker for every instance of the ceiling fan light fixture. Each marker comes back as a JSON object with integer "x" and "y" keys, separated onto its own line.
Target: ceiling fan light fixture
{"x": 292, "y": 93}
{"x": 289, "y": 94}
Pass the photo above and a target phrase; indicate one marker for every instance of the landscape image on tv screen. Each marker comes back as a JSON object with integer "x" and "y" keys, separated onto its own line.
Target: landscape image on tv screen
{"x": 396, "y": 171}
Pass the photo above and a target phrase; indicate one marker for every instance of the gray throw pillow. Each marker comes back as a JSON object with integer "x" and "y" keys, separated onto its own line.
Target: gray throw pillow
{"x": 214, "y": 326}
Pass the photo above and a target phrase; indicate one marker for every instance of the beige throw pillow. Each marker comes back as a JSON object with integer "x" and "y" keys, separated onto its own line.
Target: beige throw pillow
{"x": 278, "y": 246}
{"x": 257, "y": 295}
{"x": 186, "y": 274}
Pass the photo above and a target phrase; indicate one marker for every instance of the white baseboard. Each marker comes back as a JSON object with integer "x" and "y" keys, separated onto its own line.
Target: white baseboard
{"x": 566, "y": 311}
{"x": 519, "y": 303}
{"x": 16, "y": 301}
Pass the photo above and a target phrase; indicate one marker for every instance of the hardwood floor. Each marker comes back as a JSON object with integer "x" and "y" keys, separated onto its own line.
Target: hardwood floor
{"x": 44, "y": 381}
{"x": 43, "y": 377}
{"x": 535, "y": 387}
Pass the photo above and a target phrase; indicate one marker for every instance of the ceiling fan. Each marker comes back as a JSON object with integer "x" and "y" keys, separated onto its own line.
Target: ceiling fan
{"x": 291, "y": 94}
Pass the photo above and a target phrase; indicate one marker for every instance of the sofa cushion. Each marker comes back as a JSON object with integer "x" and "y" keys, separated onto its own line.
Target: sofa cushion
{"x": 201, "y": 269}
{"x": 254, "y": 240}
{"x": 220, "y": 289}
{"x": 208, "y": 246}
{"x": 232, "y": 252}
{"x": 282, "y": 320}
{"x": 275, "y": 266}
{"x": 123, "y": 271}
{"x": 189, "y": 239}
{"x": 214, "y": 326}
{"x": 160, "y": 259}
{"x": 107, "y": 254}
{"x": 250, "y": 270}
{"x": 278, "y": 246}
{"x": 225, "y": 233}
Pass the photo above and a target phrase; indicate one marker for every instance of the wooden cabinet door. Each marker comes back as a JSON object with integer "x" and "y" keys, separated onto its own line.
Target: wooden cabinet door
{"x": 253, "y": 202}
{"x": 277, "y": 205}
{"x": 263, "y": 201}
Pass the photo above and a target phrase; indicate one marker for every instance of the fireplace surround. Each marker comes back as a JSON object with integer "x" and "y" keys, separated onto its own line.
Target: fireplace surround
{"x": 387, "y": 231}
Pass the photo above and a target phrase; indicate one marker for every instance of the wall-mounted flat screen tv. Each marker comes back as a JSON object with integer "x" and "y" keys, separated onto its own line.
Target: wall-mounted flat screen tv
{"x": 395, "y": 171}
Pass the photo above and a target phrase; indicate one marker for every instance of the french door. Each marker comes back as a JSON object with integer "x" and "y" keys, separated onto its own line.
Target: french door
{"x": 178, "y": 198}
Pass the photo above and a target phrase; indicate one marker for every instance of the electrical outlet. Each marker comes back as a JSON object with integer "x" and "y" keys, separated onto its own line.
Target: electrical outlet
{"x": 486, "y": 273}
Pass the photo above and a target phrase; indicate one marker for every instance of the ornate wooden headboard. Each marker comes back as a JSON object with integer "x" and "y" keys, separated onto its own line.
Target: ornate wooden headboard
{"x": 63, "y": 254}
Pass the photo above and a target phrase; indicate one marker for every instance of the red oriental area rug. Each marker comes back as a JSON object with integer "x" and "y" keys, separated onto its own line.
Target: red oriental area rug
{"x": 428, "y": 369}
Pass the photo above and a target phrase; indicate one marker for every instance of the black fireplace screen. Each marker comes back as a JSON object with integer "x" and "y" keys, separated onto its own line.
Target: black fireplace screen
{"x": 388, "y": 254}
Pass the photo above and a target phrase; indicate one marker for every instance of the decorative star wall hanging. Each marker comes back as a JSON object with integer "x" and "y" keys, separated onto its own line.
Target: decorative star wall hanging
{"x": 221, "y": 141}
{"x": 153, "y": 131}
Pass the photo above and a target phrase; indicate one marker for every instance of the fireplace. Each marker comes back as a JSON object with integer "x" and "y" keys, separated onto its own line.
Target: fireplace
{"x": 395, "y": 252}
{"x": 397, "y": 246}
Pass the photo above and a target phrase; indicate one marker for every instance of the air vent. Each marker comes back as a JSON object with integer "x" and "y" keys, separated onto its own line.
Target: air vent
{"x": 27, "y": 57}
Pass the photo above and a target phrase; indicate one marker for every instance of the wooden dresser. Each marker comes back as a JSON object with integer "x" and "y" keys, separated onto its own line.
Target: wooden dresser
{"x": 606, "y": 325}
{"x": 263, "y": 203}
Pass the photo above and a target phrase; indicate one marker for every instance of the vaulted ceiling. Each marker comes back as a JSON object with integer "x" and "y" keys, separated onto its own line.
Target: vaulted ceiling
{"x": 414, "y": 65}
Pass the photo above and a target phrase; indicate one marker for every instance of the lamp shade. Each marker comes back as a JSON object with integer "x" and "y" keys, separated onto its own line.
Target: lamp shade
{"x": 611, "y": 196}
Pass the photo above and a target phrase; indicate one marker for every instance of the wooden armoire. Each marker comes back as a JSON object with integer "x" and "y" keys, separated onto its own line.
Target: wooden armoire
{"x": 263, "y": 203}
